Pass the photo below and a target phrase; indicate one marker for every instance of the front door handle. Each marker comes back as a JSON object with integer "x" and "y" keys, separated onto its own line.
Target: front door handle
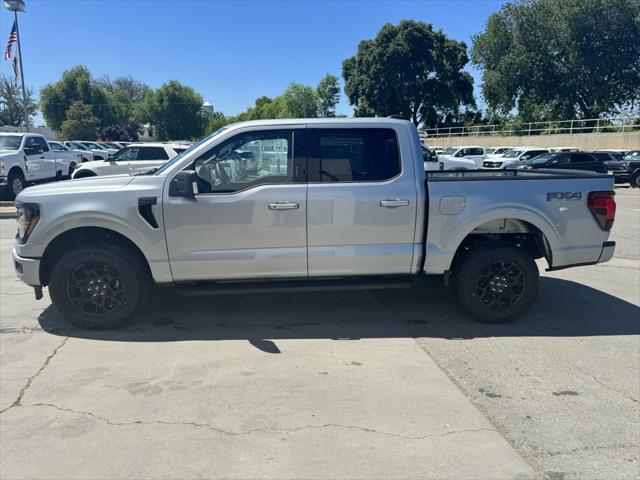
{"x": 284, "y": 206}
{"x": 394, "y": 203}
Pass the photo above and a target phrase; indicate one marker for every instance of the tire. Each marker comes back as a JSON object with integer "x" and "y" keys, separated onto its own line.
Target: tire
{"x": 497, "y": 283}
{"x": 635, "y": 180}
{"x": 16, "y": 183}
{"x": 72, "y": 167}
{"x": 118, "y": 277}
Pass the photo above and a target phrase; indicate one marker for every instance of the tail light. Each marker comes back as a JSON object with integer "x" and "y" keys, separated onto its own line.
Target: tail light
{"x": 603, "y": 208}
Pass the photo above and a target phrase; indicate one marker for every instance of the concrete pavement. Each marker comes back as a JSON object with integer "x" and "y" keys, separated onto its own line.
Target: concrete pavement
{"x": 394, "y": 384}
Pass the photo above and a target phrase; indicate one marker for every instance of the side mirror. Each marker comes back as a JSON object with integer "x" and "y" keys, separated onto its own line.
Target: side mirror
{"x": 32, "y": 150}
{"x": 459, "y": 154}
{"x": 184, "y": 184}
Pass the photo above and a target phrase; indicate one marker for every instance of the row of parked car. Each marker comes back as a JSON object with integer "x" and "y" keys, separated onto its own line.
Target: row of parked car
{"x": 622, "y": 164}
{"x": 27, "y": 158}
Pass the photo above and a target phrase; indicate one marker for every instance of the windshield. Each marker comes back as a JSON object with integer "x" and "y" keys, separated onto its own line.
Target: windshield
{"x": 513, "y": 154}
{"x": 173, "y": 161}
{"x": 10, "y": 142}
{"x": 450, "y": 151}
{"x": 104, "y": 145}
{"x": 490, "y": 150}
{"x": 95, "y": 146}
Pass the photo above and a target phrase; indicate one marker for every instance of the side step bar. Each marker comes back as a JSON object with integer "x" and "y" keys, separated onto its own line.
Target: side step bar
{"x": 302, "y": 285}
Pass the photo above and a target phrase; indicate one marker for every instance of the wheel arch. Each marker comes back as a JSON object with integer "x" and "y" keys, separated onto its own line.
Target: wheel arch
{"x": 527, "y": 235}
{"x": 18, "y": 169}
{"x": 83, "y": 236}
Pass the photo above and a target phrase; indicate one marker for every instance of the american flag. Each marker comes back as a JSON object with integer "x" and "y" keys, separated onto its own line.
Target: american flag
{"x": 13, "y": 38}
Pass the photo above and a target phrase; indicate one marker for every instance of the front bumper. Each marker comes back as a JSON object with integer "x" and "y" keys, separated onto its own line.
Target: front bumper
{"x": 27, "y": 269}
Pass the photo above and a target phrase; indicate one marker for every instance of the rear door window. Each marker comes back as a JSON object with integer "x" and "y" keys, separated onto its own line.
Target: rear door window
{"x": 353, "y": 155}
{"x": 581, "y": 158}
{"x": 152, "y": 153}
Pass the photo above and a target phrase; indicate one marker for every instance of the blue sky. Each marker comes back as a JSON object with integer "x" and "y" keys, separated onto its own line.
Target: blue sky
{"x": 230, "y": 52}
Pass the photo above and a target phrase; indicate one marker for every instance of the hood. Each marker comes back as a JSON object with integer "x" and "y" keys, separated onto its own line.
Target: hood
{"x": 6, "y": 153}
{"x": 71, "y": 187}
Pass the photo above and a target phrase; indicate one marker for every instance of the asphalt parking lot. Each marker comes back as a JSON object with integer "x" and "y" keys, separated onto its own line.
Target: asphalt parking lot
{"x": 381, "y": 384}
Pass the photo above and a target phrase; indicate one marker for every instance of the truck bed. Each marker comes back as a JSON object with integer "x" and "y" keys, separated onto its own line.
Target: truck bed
{"x": 489, "y": 202}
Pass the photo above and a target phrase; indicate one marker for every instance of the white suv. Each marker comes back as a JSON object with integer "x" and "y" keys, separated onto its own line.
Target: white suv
{"x": 136, "y": 158}
{"x": 513, "y": 156}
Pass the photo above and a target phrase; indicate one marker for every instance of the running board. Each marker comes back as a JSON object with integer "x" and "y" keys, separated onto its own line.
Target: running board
{"x": 302, "y": 285}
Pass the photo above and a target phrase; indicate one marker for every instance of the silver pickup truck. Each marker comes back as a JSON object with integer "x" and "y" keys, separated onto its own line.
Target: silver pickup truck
{"x": 307, "y": 204}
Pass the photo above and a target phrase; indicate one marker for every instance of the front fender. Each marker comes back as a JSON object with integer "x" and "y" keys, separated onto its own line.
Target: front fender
{"x": 127, "y": 223}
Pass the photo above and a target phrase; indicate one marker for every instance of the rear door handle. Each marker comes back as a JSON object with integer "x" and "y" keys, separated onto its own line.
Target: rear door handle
{"x": 284, "y": 206}
{"x": 394, "y": 203}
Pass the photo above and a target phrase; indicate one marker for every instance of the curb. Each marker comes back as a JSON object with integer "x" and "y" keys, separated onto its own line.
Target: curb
{"x": 8, "y": 215}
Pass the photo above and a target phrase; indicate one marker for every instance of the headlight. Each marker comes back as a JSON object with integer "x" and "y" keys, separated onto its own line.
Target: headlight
{"x": 28, "y": 216}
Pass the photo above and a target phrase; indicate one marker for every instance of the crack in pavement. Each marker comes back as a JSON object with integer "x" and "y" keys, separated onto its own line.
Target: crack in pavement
{"x": 255, "y": 430}
{"x": 587, "y": 449}
{"x": 16, "y": 402}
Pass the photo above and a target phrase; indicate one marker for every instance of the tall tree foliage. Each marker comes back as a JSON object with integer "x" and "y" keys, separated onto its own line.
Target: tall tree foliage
{"x": 409, "y": 70}
{"x": 76, "y": 85}
{"x": 80, "y": 123}
{"x": 12, "y": 103}
{"x": 175, "y": 111}
{"x": 561, "y": 59}
{"x": 328, "y": 91}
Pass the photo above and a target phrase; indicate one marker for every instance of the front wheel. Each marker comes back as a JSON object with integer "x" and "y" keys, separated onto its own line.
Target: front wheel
{"x": 99, "y": 287}
{"x": 635, "y": 180}
{"x": 17, "y": 183}
{"x": 497, "y": 283}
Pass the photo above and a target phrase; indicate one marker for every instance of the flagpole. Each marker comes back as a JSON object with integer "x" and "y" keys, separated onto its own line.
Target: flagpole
{"x": 24, "y": 91}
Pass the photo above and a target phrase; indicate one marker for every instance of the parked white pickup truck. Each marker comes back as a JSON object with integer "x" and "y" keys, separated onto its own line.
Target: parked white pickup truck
{"x": 306, "y": 204}
{"x": 27, "y": 158}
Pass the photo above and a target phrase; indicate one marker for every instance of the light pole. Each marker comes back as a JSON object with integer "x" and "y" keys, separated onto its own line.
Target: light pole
{"x": 16, "y": 6}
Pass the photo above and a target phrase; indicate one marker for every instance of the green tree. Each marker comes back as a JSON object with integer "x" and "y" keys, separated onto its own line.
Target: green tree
{"x": 76, "y": 85}
{"x": 175, "y": 111}
{"x": 328, "y": 92}
{"x": 80, "y": 123}
{"x": 126, "y": 95}
{"x": 409, "y": 70}
{"x": 560, "y": 59}
{"x": 299, "y": 101}
{"x": 12, "y": 103}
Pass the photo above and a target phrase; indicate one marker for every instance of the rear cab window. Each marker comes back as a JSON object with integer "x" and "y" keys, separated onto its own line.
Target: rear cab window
{"x": 353, "y": 155}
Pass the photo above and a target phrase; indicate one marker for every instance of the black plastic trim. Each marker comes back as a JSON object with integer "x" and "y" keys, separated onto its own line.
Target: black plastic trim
{"x": 537, "y": 174}
{"x": 146, "y": 212}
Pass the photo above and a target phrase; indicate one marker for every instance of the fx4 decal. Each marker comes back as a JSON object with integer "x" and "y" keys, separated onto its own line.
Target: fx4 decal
{"x": 564, "y": 196}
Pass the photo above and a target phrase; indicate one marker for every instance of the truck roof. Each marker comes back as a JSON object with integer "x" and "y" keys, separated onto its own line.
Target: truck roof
{"x": 324, "y": 121}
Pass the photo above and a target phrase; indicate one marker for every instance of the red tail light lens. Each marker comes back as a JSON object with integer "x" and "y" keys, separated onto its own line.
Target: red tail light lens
{"x": 603, "y": 208}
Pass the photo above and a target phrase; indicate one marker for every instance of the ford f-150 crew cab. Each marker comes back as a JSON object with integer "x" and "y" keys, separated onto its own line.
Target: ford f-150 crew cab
{"x": 300, "y": 204}
{"x": 28, "y": 157}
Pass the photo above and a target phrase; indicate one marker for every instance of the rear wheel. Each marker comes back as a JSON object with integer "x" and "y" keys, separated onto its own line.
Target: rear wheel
{"x": 72, "y": 167}
{"x": 497, "y": 283}
{"x": 635, "y": 180}
{"x": 99, "y": 287}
